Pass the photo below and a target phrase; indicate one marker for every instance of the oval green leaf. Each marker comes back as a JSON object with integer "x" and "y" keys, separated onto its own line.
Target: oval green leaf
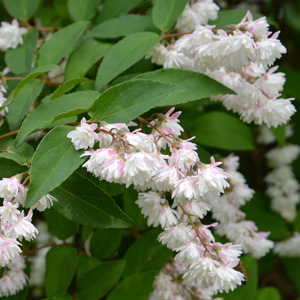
{"x": 80, "y": 200}
{"x": 54, "y": 161}
{"x": 61, "y": 44}
{"x": 82, "y": 10}
{"x": 122, "y": 26}
{"x": 59, "y": 108}
{"x": 223, "y": 131}
{"x": 166, "y": 12}
{"x": 83, "y": 58}
{"x": 21, "y": 9}
{"x": 124, "y": 54}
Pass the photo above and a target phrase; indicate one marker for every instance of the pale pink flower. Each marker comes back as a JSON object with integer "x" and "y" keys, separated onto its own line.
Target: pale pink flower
{"x": 9, "y": 249}
{"x": 84, "y": 136}
{"x": 11, "y": 188}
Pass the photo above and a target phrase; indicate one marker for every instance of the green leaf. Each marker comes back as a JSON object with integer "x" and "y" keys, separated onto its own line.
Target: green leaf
{"x": 291, "y": 88}
{"x": 297, "y": 222}
{"x": 221, "y": 130}
{"x": 130, "y": 195}
{"x": 105, "y": 242}
{"x": 22, "y": 103}
{"x": 191, "y": 85}
{"x": 97, "y": 282}
{"x": 146, "y": 254}
{"x": 59, "y": 108}
{"x": 21, "y": 155}
{"x": 80, "y": 200}
{"x": 232, "y": 16}
{"x": 61, "y": 44}
{"x": 21, "y": 9}
{"x": 54, "y": 161}
{"x": 60, "y": 296}
{"x": 114, "y": 8}
{"x": 82, "y": 10}
{"x": 247, "y": 291}
{"x": 166, "y": 12}
{"x": 292, "y": 267}
{"x": 60, "y": 269}
{"x": 268, "y": 293}
{"x": 86, "y": 264}
{"x": 137, "y": 287}
{"x": 124, "y": 54}
{"x": 84, "y": 57}
{"x": 59, "y": 225}
{"x": 67, "y": 86}
{"x": 122, "y": 26}
{"x": 19, "y": 60}
{"x": 33, "y": 74}
{"x": 267, "y": 221}
{"x": 128, "y": 100}
{"x": 9, "y": 168}
{"x": 279, "y": 133}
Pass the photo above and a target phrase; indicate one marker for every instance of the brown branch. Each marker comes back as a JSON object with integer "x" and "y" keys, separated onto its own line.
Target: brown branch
{"x": 158, "y": 130}
{"x": 8, "y": 134}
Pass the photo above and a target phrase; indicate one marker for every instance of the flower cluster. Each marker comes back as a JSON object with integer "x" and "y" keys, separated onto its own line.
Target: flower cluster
{"x": 14, "y": 279}
{"x": 11, "y": 35}
{"x": 169, "y": 284}
{"x": 176, "y": 190}
{"x": 226, "y": 210}
{"x": 290, "y": 247}
{"x": 283, "y": 188}
{"x": 197, "y": 12}
{"x": 239, "y": 58}
{"x": 16, "y": 225}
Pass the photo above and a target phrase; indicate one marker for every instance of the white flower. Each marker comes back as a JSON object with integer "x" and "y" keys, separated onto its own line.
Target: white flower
{"x": 84, "y": 136}
{"x": 9, "y": 213}
{"x": 177, "y": 236}
{"x": 269, "y": 49}
{"x": 44, "y": 203}
{"x": 290, "y": 247}
{"x": 9, "y": 249}
{"x": 265, "y": 135}
{"x": 283, "y": 155}
{"x": 11, "y": 188}
{"x": 11, "y": 35}
{"x": 158, "y": 54}
{"x": 22, "y": 228}
{"x": 157, "y": 210}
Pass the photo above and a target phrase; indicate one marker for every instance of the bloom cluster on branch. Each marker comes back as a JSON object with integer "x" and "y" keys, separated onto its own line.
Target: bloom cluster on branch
{"x": 239, "y": 58}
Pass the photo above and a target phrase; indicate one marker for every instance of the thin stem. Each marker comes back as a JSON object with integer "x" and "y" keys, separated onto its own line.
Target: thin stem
{"x": 159, "y": 131}
{"x": 26, "y": 180}
{"x": 8, "y": 134}
{"x": 175, "y": 34}
{"x": 195, "y": 228}
{"x": 33, "y": 251}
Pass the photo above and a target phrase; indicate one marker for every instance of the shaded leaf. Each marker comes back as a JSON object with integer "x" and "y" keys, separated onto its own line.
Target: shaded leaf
{"x": 166, "y": 12}
{"x": 137, "y": 287}
{"x": 82, "y": 10}
{"x": 59, "y": 225}
{"x": 19, "y": 60}
{"x": 105, "y": 242}
{"x": 80, "y": 200}
{"x": 192, "y": 85}
{"x": 146, "y": 254}
{"x": 21, "y": 155}
{"x": 124, "y": 54}
{"x": 54, "y": 161}
{"x": 122, "y": 26}
{"x": 83, "y": 58}
{"x": 268, "y": 293}
{"x": 221, "y": 130}
{"x": 128, "y": 100}
{"x": 22, "y": 103}
{"x": 97, "y": 282}
{"x": 21, "y": 9}
{"x": 63, "y": 107}
{"x": 60, "y": 269}
{"x": 61, "y": 43}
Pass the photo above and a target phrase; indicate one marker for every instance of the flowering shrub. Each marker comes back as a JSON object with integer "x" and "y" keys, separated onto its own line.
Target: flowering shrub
{"x": 144, "y": 153}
